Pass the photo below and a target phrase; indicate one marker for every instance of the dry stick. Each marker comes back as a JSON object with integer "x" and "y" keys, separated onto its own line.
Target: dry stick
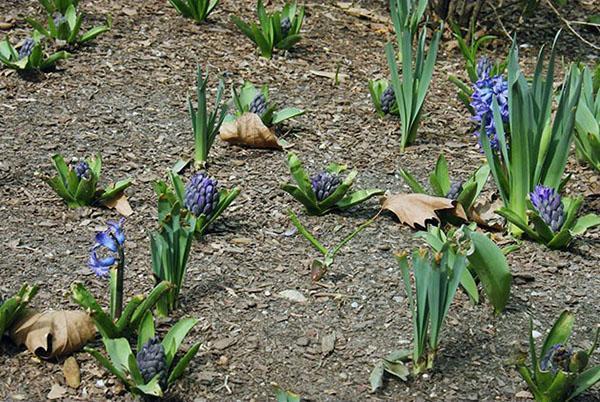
{"x": 570, "y": 28}
{"x": 499, "y": 19}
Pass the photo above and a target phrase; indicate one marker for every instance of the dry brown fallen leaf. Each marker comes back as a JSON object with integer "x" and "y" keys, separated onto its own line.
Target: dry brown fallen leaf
{"x": 416, "y": 210}
{"x": 482, "y": 212}
{"x": 120, "y": 204}
{"x": 71, "y": 372}
{"x": 249, "y": 130}
{"x": 53, "y": 333}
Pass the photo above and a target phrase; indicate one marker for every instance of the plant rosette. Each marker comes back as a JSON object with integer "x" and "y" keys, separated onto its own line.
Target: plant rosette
{"x": 254, "y": 118}
{"x": 325, "y": 191}
{"x": 553, "y": 219}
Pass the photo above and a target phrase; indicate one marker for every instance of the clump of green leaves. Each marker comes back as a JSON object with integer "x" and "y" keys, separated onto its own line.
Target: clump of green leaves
{"x": 553, "y": 218}
{"x": 204, "y": 124}
{"x": 112, "y": 327}
{"x": 319, "y": 267}
{"x": 67, "y": 27}
{"x": 175, "y": 193}
{"x": 60, "y": 6}
{"x": 248, "y": 96}
{"x": 587, "y": 119}
{"x": 558, "y": 373}
{"x": 30, "y": 56}
{"x": 408, "y": 14}
{"x": 534, "y": 151}
{"x": 486, "y": 262}
{"x": 125, "y": 365}
{"x": 441, "y": 183}
{"x": 198, "y": 10}
{"x": 436, "y": 279}
{"x": 277, "y": 30}
{"x": 337, "y": 196}
{"x": 283, "y": 395}
{"x": 410, "y": 91}
{"x": 170, "y": 249}
{"x": 77, "y": 183}
{"x": 11, "y": 308}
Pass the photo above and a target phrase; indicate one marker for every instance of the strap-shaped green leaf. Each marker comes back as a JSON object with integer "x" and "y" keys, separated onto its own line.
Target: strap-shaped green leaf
{"x": 357, "y": 197}
{"x": 285, "y": 114}
{"x": 172, "y": 340}
{"x": 183, "y": 363}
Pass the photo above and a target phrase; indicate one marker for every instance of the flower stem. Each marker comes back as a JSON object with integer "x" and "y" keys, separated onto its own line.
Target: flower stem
{"x": 117, "y": 304}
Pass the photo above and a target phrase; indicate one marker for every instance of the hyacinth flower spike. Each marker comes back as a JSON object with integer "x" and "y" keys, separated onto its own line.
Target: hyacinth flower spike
{"x": 383, "y": 97}
{"x": 154, "y": 368}
{"x": 558, "y": 373}
{"x": 326, "y": 190}
{"x": 201, "y": 196}
{"x": 554, "y": 218}
{"x": 107, "y": 259}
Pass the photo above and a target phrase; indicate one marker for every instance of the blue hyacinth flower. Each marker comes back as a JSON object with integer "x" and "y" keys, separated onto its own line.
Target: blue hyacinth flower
{"x": 106, "y": 249}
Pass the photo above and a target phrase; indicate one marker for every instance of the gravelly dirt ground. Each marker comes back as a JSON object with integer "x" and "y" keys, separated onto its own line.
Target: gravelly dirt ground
{"x": 125, "y": 96}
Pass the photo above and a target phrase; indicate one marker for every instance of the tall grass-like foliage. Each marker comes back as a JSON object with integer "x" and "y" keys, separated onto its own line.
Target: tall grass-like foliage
{"x": 535, "y": 148}
{"x": 198, "y": 10}
{"x": 409, "y": 14}
{"x": 410, "y": 91}
{"x": 204, "y": 124}
{"x": 587, "y": 120}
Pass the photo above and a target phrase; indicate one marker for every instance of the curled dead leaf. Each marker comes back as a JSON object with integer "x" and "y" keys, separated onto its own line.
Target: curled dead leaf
{"x": 416, "y": 210}
{"x": 249, "y": 130}
{"x": 53, "y": 333}
{"x": 120, "y": 204}
{"x": 483, "y": 213}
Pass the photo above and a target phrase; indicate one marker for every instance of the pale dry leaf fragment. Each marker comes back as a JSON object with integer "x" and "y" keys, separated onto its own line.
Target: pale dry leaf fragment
{"x": 56, "y": 392}
{"x": 249, "y": 130}
{"x": 331, "y": 75}
{"x": 417, "y": 210}
{"x": 120, "y": 204}
{"x": 483, "y": 213}
{"x": 53, "y": 333}
{"x": 71, "y": 372}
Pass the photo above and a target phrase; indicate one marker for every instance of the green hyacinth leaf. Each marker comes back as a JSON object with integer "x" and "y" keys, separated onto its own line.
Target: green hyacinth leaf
{"x": 584, "y": 223}
{"x": 541, "y": 227}
{"x": 357, "y": 197}
{"x": 410, "y": 180}
{"x": 285, "y": 114}
{"x": 560, "y": 332}
{"x": 183, "y": 363}
{"x": 516, "y": 220}
{"x": 491, "y": 266}
{"x": 103, "y": 322}
{"x": 560, "y": 240}
{"x": 108, "y": 365}
{"x": 172, "y": 341}
{"x": 152, "y": 388}
{"x": 301, "y": 177}
{"x": 288, "y": 42}
{"x": 119, "y": 351}
{"x": 585, "y": 380}
{"x": 145, "y": 330}
{"x": 149, "y": 302}
{"x": 469, "y": 285}
{"x": 114, "y": 190}
{"x": 439, "y": 179}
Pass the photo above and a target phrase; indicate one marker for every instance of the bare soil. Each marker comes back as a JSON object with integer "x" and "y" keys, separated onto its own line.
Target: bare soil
{"x": 125, "y": 96}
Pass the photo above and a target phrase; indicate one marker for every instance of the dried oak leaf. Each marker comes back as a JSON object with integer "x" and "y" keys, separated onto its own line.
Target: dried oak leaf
{"x": 120, "y": 204}
{"x": 53, "y": 333}
{"x": 249, "y": 130}
{"x": 416, "y": 210}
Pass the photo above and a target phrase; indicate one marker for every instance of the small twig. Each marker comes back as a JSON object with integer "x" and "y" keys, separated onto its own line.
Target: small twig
{"x": 570, "y": 28}
{"x": 499, "y": 20}
{"x": 225, "y": 385}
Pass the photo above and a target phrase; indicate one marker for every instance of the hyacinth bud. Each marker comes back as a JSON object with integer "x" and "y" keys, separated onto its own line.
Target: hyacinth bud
{"x": 286, "y": 25}
{"x": 455, "y": 189}
{"x": 388, "y": 99}
{"x": 26, "y": 48}
{"x": 258, "y": 105}
{"x": 201, "y": 194}
{"x": 59, "y": 19}
{"x": 548, "y": 204}
{"x": 324, "y": 184}
{"x": 557, "y": 358}
{"x": 484, "y": 68}
{"x": 151, "y": 360}
{"x": 82, "y": 170}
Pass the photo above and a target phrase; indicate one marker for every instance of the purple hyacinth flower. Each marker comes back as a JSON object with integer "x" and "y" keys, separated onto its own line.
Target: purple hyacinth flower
{"x": 557, "y": 358}
{"x": 484, "y": 68}
{"x": 100, "y": 265}
{"x": 324, "y": 184}
{"x": 484, "y": 91}
{"x": 548, "y": 204}
{"x": 107, "y": 247}
{"x": 82, "y": 170}
{"x": 202, "y": 195}
{"x": 26, "y": 48}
